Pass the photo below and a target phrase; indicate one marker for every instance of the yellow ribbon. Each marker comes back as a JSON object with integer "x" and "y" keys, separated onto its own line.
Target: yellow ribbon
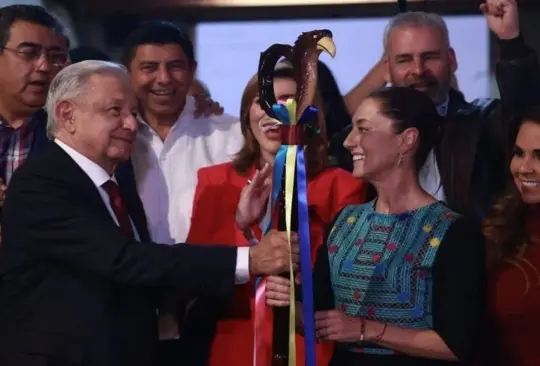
{"x": 290, "y": 170}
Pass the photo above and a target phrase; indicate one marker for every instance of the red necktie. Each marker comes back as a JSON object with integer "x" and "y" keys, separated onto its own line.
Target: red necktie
{"x": 118, "y": 207}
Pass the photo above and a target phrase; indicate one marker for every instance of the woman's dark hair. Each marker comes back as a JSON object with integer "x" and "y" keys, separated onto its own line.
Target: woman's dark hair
{"x": 505, "y": 228}
{"x": 409, "y": 108}
{"x": 336, "y": 115}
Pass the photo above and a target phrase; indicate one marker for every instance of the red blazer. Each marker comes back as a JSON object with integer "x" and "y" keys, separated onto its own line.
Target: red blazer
{"x": 216, "y": 199}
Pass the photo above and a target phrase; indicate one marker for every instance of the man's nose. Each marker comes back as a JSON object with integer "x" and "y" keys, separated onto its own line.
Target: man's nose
{"x": 164, "y": 76}
{"x": 130, "y": 123}
{"x": 43, "y": 63}
{"x": 419, "y": 67}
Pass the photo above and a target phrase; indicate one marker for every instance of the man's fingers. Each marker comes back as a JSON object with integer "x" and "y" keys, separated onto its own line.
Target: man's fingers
{"x": 277, "y": 303}
{"x": 275, "y": 282}
{"x": 484, "y": 8}
{"x": 277, "y": 295}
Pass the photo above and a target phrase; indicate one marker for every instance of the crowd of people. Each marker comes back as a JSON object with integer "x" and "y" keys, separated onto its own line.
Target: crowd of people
{"x": 133, "y": 209}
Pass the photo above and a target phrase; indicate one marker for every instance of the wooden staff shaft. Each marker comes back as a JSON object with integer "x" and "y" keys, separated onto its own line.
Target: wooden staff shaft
{"x": 280, "y": 336}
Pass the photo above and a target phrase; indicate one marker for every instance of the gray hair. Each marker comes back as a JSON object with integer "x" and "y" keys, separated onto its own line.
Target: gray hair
{"x": 416, "y": 19}
{"x": 70, "y": 84}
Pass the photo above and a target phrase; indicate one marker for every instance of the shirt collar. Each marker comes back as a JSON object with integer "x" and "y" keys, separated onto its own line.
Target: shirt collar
{"x": 442, "y": 108}
{"x": 31, "y": 121}
{"x": 96, "y": 173}
{"x": 188, "y": 111}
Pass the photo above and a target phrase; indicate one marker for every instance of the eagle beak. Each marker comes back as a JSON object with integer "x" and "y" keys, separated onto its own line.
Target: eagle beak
{"x": 326, "y": 44}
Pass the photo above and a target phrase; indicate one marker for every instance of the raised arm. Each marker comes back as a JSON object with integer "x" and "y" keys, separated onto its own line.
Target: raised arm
{"x": 518, "y": 70}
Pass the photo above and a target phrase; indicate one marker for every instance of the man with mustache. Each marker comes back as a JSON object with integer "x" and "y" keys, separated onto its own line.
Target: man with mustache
{"x": 32, "y": 52}
{"x": 466, "y": 169}
{"x": 79, "y": 274}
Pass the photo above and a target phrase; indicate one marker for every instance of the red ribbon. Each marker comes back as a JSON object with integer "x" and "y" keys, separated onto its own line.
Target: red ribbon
{"x": 292, "y": 135}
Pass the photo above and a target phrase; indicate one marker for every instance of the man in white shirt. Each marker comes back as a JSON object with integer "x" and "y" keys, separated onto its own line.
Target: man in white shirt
{"x": 78, "y": 288}
{"x": 171, "y": 144}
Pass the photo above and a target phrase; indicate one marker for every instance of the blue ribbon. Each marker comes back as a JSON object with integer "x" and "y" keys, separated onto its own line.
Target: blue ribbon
{"x": 305, "y": 259}
{"x": 303, "y": 225}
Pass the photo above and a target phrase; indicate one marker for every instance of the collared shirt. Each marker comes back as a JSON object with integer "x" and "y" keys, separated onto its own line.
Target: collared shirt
{"x": 98, "y": 175}
{"x": 429, "y": 176}
{"x": 166, "y": 171}
{"x": 15, "y": 145}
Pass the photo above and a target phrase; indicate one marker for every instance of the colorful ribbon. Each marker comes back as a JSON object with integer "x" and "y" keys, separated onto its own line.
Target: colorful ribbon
{"x": 290, "y": 160}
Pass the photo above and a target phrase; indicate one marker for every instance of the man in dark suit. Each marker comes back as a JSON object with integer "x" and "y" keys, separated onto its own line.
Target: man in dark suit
{"x": 78, "y": 275}
{"x": 468, "y": 167}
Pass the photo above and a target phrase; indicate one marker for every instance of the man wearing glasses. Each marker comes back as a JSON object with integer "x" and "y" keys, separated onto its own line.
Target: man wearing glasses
{"x": 33, "y": 49}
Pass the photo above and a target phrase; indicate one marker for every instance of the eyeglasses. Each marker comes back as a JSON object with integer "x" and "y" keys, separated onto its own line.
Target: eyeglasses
{"x": 33, "y": 52}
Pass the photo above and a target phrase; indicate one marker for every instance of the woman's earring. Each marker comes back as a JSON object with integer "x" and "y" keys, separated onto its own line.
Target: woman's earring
{"x": 400, "y": 160}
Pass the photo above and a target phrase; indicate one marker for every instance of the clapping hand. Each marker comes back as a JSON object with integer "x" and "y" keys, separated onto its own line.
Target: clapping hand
{"x": 502, "y": 17}
{"x": 254, "y": 198}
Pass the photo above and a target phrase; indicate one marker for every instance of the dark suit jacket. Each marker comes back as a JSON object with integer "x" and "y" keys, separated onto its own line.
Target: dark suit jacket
{"x": 73, "y": 289}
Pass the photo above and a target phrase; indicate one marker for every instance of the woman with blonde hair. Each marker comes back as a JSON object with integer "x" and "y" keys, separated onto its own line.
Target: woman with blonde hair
{"x": 512, "y": 234}
{"x": 216, "y": 201}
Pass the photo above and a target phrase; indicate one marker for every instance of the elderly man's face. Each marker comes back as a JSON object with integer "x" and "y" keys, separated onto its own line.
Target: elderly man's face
{"x": 104, "y": 124}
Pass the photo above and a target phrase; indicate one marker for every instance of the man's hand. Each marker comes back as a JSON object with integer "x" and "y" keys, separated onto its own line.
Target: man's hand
{"x": 254, "y": 198}
{"x": 271, "y": 255}
{"x": 502, "y": 17}
{"x": 205, "y": 106}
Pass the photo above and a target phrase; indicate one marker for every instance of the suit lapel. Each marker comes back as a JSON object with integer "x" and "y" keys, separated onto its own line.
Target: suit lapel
{"x": 68, "y": 169}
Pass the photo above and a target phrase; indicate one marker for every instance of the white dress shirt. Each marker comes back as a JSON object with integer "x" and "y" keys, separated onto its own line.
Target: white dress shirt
{"x": 166, "y": 171}
{"x": 98, "y": 175}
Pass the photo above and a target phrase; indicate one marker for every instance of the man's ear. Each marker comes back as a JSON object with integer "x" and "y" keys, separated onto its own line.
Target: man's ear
{"x": 64, "y": 115}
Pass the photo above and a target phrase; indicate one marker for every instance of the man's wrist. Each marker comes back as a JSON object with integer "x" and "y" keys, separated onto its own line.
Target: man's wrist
{"x": 250, "y": 261}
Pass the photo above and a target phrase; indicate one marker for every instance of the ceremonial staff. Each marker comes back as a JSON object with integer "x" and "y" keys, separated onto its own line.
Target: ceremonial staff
{"x": 289, "y": 186}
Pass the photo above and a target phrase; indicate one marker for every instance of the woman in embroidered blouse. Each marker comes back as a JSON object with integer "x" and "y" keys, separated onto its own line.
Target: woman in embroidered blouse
{"x": 399, "y": 281}
{"x": 512, "y": 234}
{"x": 213, "y": 221}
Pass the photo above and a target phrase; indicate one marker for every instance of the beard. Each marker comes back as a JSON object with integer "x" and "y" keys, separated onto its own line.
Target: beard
{"x": 437, "y": 90}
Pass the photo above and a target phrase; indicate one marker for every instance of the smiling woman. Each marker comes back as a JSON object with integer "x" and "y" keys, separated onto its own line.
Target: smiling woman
{"x": 513, "y": 238}
{"x": 391, "y": 286}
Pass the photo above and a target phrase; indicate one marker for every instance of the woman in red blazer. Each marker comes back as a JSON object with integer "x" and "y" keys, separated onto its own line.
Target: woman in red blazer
{"x": 216, "y": 199}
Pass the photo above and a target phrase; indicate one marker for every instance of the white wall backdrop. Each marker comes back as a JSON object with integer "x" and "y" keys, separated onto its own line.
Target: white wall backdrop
{"x": 228, "y": 52}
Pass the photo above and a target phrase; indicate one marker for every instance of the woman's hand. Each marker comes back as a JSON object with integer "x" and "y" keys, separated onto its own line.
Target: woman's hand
{"x": 278, "y": 291}
{"x": 335, "y": 326}
{"x": 254, "y": 198}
